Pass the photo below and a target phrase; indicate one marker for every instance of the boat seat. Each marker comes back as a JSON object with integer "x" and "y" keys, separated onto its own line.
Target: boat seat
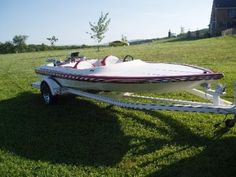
{"x": 83, "y": 65}
{"x": 67, "y": 65}
{"x": 109, "y": 60}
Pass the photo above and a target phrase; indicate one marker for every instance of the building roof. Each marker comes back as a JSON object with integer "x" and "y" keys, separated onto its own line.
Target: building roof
{"x": 225, "y": 3}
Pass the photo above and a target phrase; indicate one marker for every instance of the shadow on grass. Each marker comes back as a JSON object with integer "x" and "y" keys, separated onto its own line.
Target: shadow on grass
{"x": 80, "y": 132}
{"x": 71, "y": 132}
{"x": 216, "y": 157}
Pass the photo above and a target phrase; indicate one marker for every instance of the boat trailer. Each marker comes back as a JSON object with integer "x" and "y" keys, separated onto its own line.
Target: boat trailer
{"x": 50, "y": 88}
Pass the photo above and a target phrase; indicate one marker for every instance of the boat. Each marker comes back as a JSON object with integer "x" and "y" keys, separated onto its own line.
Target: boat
{"x": 124, "y": 75}
{"x": 88, "y": 77}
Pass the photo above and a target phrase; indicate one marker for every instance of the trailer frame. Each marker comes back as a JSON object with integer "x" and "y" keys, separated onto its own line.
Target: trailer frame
{"x": 216, "y": 105}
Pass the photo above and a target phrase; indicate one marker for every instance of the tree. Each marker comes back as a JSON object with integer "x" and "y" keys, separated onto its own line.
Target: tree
{"x": 189, "y": 34}
{"x": 99, "y": 28}
{"x": 19, "y": 42}
{"x": 52, "y": 40}
{"x": 197, "y": 34}
{"x": 181, "y": 30}
{"x": 20, "y": 39}
{"x": 169, "y": 34}
{"x": 124, "y": 38}
{"x": 7, "y": 47}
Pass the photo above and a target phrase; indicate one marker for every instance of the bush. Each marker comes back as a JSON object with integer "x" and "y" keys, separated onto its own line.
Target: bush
{"x": 7, "y": 47}
{"x": 230, "y": 31}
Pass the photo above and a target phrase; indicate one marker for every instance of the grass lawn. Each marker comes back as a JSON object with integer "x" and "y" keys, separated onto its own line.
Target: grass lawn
{"x": 81, "y": 137}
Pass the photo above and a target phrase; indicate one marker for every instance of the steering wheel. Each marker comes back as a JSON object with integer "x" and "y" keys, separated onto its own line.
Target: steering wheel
{"x": 128, "y": 58}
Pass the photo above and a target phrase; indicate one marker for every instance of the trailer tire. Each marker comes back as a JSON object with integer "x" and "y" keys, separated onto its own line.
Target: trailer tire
{"x": 229, "y": 123}
{"x": 47, "y": 97}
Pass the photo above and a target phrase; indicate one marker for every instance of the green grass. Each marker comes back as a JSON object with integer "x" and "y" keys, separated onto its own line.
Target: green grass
{"x": 81, "y": 137}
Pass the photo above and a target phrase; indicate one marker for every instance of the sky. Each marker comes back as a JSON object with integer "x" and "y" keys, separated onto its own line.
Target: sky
{"x": 69, "y": 20}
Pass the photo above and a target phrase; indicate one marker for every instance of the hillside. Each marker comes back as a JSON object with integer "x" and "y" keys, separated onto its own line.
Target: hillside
{"x": 80, "y": 137}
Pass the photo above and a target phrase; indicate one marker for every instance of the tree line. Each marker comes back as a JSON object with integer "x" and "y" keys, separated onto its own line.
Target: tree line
{"x": 18, "y": 45}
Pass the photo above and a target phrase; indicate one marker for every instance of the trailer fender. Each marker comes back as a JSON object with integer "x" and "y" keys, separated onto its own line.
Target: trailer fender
{"x": 53, "y": 85}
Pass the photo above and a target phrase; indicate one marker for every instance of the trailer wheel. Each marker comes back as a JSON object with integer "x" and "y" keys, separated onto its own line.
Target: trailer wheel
{"x": 46, "y": 94}
{"x": 229, "y": 123}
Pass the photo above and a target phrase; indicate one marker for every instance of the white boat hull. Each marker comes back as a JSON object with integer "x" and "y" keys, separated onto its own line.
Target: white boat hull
{"x": 134, "y": 76}
{"x": 134, "y": 87}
